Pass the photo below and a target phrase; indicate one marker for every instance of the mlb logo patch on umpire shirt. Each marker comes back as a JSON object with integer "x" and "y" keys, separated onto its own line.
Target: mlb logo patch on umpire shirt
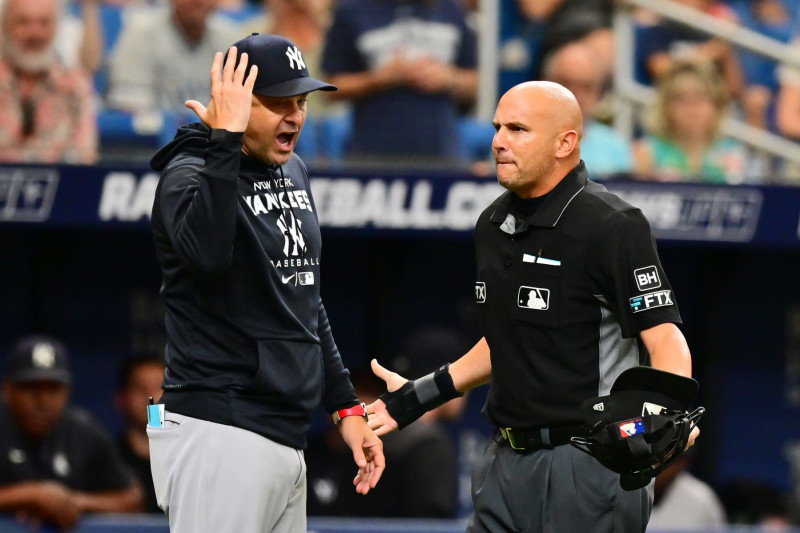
{"x": 534, "y": 298}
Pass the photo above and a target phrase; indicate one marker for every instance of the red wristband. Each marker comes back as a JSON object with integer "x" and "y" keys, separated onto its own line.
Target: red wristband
{"x": 357, "y": 410}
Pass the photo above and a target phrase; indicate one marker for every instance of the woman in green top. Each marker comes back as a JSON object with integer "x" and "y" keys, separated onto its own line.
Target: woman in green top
{"x": 684, "y": 142}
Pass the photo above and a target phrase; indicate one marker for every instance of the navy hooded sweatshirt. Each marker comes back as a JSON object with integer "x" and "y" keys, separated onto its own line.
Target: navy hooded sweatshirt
{"x": 248, "y": 340}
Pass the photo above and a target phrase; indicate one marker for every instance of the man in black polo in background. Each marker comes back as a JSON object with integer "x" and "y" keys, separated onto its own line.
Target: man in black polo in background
{"x": 56, "y": 462}
{"x": 571, "y": 293}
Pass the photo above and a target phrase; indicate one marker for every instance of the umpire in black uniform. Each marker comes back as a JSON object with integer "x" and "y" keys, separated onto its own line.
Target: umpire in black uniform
{"x": 571, "y": 293}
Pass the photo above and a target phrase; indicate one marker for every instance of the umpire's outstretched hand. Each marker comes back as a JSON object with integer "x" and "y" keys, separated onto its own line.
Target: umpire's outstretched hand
{"x": 367, "y": 451}
{"x": 380, "y": 421}
{"x": 231, "y": 94}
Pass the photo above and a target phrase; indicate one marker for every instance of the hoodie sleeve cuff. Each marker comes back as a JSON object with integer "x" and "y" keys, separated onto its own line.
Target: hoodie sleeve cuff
{"x": 223, "y": 153}
{"x": 339, "y": 392}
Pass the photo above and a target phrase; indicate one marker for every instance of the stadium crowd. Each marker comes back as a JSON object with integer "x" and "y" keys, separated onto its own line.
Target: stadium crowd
{"x": 106, "y": 80}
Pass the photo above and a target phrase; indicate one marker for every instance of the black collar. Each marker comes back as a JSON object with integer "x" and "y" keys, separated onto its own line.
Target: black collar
{"x": 549, "y": 213}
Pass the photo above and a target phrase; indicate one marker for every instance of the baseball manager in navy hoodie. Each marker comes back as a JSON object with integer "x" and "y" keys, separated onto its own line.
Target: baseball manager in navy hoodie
{"x": 249, "y": 347}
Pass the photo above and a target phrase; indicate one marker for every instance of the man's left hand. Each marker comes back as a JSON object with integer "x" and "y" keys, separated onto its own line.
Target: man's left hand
{"x": 367, "y": 451}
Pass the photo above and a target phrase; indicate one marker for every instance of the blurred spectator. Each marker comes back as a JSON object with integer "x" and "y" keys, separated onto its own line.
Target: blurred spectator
{"x": 304, "y": 22}
{"x": 663, "y": 44}
{"x": 569, "y": 21}
{"x": 754, "y": 502}
{"x": 792, "y": 453}
{"x": 56, "y": 462}
{"x": 787, "y": 114}
{"x": 577, "y": 67}
{"x": 683, "y": 502}
{"x": 244, "y": 12}
{"x": 776, "y": 19}
{"x": 423, "y": 480}
{"x": 79, "y": 36}
{"x": 520, "y": 43}
{"x": 46, "y": 110}
{"x": 530, "y": 30}
{"x": 684, "y": 122}
{"x": 162, "y": 55}
{"x": 787, "y": 110}
{"x": 140, "y": 379}
{"x": 409, "y": 67}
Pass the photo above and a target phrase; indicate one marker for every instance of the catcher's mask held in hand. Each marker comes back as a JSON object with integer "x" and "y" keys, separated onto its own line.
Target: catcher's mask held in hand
{"x": 642, "y": 427}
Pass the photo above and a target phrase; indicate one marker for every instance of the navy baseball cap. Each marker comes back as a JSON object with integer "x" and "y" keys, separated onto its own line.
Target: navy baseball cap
{"x": 38, "y": 358}
{"x": 282, "y": 71}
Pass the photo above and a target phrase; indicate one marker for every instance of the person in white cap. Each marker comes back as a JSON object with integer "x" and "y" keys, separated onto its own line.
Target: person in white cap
{"x": 56, "y": 461}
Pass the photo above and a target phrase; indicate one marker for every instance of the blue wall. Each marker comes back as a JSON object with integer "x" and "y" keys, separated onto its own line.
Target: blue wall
{"x": 95, "y": 286}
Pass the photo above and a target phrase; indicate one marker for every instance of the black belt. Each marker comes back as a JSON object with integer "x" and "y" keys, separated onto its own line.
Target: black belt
{"x": 528, "y": 440}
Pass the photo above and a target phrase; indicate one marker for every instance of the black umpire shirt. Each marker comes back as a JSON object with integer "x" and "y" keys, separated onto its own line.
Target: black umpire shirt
{"x": 563, "y": 294}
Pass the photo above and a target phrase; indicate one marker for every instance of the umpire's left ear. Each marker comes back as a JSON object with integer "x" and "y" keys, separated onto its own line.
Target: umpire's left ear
{"x": 567, "y": 143}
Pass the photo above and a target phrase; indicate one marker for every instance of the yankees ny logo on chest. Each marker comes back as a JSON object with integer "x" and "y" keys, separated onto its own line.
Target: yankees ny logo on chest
{"x": 292, "y": 236}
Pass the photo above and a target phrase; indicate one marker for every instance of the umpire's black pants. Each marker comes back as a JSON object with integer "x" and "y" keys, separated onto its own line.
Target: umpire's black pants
{"x": 560, "y": 490}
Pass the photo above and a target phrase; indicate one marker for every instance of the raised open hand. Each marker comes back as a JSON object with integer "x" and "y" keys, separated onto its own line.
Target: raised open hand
{"x": 231, "y": 94}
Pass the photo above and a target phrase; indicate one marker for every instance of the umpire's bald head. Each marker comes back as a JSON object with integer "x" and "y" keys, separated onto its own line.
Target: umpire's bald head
{"x": 538, "y": 127}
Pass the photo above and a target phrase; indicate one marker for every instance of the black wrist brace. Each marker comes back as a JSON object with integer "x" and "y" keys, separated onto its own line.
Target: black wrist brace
{"x": 417, "y": 397}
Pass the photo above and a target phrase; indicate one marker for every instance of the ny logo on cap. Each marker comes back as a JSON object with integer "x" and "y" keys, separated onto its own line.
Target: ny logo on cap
{"x": 43, "y": 355}
{"x": 295, "y": 59}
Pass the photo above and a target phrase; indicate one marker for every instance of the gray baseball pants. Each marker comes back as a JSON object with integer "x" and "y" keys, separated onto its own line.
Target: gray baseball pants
{"x": 213, "y": 478}
{"x": 559, "y": 490}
